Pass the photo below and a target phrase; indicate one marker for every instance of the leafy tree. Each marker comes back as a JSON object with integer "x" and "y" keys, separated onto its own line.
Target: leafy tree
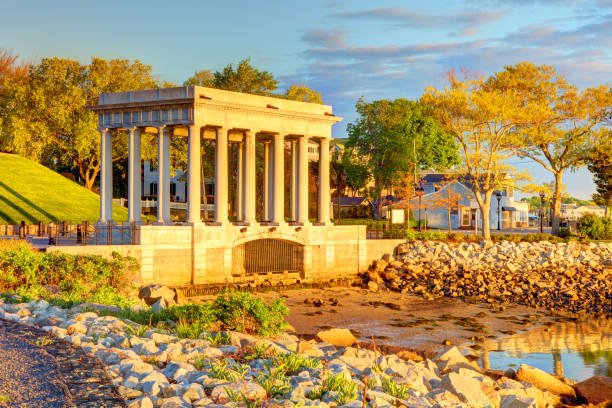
{"x": 244, "y": 78}
{"x": 563, "y": 122}
{"x": 303, "y": 94}
{"x": 388, "y": 138}
{"x": 50, "y": 120}
{"x": 482, "y": 119}
{"x": 600, "y": 164}
{"x": 201, "y": 78}
{"x": 10, "y": 67}
{"x": 446, "y": 197}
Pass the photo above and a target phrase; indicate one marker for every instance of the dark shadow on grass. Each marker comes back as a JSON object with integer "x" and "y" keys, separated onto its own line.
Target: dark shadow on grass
{"x": 20, "y": 210}
{"x": 4, "y": 216}
{"x": 28, "y": 202}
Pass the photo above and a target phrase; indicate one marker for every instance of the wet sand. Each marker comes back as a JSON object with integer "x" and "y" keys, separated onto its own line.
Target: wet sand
{"x": 401, "y": 320}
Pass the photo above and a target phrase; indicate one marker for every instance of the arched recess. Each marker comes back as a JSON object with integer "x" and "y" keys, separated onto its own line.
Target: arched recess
{"x": 267, "y": 255}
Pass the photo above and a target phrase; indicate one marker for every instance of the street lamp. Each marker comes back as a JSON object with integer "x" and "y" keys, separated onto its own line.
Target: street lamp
{"x": 419, "y": 191}
{"x": 541, "y": 213}
{"x": 498, "y": 195}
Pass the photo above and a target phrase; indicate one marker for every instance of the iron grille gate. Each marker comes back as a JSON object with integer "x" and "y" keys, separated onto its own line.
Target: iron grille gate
{"x": 265, "y": 256}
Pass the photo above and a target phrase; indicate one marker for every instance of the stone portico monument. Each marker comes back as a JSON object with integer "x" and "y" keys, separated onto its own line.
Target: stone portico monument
{"x": 221, "y": 252}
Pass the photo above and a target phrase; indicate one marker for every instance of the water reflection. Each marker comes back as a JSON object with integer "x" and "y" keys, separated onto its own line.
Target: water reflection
{"x": 577, "y": 350}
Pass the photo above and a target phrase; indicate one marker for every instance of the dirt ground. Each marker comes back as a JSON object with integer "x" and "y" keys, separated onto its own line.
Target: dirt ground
{"x": 394, "y": 319}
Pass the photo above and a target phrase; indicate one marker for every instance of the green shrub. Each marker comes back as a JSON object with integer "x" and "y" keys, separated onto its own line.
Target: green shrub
{"x": 243, "y": 312}
{"x": 564, "y": 233}
{"x": 78, "y": 277}
{"x": 594, "y": 227}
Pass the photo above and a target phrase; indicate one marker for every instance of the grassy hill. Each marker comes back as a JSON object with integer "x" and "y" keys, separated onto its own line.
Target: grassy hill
{"x": 32, "y": 192}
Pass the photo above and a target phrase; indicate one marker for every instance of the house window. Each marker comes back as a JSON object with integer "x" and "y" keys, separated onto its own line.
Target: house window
{"x": 153, "y": 189}
{"x": 172, "y": 189}
{"x": 210, "y": 189}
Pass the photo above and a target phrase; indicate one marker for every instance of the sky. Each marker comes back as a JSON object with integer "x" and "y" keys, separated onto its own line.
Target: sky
{"x": 345, "y": 49}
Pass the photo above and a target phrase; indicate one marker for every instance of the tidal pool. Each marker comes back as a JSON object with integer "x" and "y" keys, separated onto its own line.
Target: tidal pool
{"x": 578, "y": 350}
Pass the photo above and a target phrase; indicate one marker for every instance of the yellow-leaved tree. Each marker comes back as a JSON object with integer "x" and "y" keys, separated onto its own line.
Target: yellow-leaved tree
{"x": 562, "y": 123}
{"x": 483, "y": 120}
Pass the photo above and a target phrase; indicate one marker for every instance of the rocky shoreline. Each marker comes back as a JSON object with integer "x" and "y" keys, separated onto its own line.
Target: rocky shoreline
{"x": 153, "y": 368}
{"x": 571, "y": 277}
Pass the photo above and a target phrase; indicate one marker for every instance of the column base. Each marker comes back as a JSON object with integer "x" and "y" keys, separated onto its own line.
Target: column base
{"x": 302, "y": 224}
{"x": 322, "y": 224}
{"x": 193, "y": 223}
{"x": 218, "y": 223}
{"x": 167, "y": 223}
{"x": 275, "y": 224}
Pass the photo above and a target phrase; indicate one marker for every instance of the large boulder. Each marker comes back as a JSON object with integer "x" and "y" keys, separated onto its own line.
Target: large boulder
{"x": 467, "y": 389}
{"x": 543, "y": 380}
{"x": 337, "y": 337}
{"x": 152, "y": 293}
{"x": 595, "y": 390}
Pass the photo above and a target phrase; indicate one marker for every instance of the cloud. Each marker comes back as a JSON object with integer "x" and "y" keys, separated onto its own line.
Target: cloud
{"x": 328, "y": 39}
{"x": 466, "y": 21}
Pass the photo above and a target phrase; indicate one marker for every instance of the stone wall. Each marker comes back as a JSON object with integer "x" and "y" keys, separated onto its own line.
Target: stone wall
{"x": 184, "y": 255}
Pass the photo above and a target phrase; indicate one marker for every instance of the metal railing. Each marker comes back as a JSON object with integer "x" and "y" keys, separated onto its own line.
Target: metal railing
{"x": 68, "y": 233}
{"x": 386, "y": 231}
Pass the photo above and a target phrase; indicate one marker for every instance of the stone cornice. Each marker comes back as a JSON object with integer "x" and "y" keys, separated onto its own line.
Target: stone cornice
{"x": 267, "y": 112}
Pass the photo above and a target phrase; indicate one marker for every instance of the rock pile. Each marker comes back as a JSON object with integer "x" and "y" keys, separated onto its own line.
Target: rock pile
{"x": 153, "y": 368}
{"x": 570, "y": 276}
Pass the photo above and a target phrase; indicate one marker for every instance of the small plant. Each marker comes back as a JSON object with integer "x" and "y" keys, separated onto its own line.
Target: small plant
{"x": 401, "y": 391}
{"x": 4, "y": 398}
{"x": 316, "y": 393}
{"x": 221, "y": 371}
{"x": 186, "y": 330}
{"x": 250, "y": 404}
{"x": 241, "y": 370}
{"x": 272, "y": 385}
{"x": 257, "y": 352}
{"x": 347, "y": 394}
{"x": 293, "y": 363}
{"x": 45, "y": 341}
{"x": 234, "y": 396}
{"x": 218, "y": 339}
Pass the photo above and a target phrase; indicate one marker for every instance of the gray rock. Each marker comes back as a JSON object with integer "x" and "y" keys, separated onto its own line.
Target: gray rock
{"x": 467, "y": 389}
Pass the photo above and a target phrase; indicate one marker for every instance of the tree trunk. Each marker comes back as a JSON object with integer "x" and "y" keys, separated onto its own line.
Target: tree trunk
{"x": 90, "y": 178}
{"x": 556, "y": 203}
{"x": 485, "y": 210}
{"x": 449, "y": 220}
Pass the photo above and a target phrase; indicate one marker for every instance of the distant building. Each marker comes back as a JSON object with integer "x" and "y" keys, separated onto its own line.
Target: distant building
{"x": 511, "y": 214}
{"x": 573, "y": 212}
{"x": 178, "y": 185}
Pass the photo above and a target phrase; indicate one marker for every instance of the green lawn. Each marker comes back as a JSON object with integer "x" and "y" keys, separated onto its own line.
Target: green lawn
{"x": 32, "y": 193}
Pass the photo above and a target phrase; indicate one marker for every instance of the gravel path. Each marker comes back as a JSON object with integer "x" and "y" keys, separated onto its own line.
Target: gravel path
{"x": 39, "y": 371}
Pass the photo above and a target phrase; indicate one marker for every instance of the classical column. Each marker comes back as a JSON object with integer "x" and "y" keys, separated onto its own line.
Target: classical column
{"x": 324, "y": 196}
{"x": 193, "y": 176}
{"x": 106, "y": 176}
{"x": 302, "y": 207}
{"x": 163, "y": 175}
{"x": 239, "y": 182}
{"x": 134, "y": 188}
{"x": 278, "y": 187}
{"x": 266, "y": 177}
{"x": 293, "y": 193}
{"x": 221, "y": 181}
{"x": 249, "y": 177}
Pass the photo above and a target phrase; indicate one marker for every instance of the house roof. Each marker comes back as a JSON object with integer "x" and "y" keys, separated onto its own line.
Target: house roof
{"x": 348, "y": 201}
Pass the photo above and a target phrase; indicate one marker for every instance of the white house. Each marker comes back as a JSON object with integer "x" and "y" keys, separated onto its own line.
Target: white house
{"x": 178, "y": 185}
{"x": 573, "y": 212}
{"x": 505, "y": 212}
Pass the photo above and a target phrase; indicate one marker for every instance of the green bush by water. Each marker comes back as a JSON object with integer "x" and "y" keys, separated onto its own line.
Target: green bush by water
{"x": 77, "y": 277}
